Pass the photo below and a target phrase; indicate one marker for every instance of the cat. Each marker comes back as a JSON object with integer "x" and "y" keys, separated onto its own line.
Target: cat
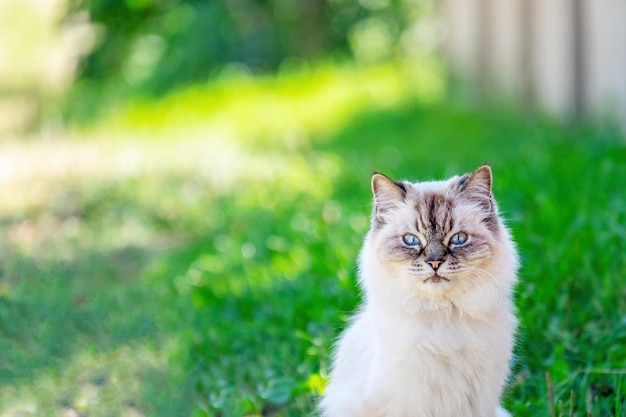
{"x": 435, "y": 333}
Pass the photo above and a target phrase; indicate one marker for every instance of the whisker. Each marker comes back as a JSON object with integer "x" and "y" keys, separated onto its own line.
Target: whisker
{"x": 481, "y": 273}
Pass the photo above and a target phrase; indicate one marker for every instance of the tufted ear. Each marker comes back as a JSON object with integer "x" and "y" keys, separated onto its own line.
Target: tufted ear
{"x": 387, "y": 194}
{"x": 477, "y": 186}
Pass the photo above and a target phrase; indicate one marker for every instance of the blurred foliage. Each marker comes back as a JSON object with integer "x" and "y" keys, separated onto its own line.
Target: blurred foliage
{"x": 148, "y": 47}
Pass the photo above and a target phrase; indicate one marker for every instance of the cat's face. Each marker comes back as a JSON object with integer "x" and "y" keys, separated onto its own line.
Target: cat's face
{"x": 437, "y": 238}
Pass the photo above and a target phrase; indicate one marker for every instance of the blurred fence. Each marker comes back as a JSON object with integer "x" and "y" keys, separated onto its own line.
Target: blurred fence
{"x": 566, "y": 56}
{"x": 40, "y": 47}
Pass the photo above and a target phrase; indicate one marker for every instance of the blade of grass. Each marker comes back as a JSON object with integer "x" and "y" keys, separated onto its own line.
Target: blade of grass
{"x": 589, "y": 403}
{"x": 618, "y": 397}
{"x": 550, "y": 394}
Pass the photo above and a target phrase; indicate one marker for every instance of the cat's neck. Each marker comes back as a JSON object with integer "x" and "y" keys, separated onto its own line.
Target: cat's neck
{"x": 400, "y": 304}
{"x": 438, "y": 329}
{"x": 412, "y": 310}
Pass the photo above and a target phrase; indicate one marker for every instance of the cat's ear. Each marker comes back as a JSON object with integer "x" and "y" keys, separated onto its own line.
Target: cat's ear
{"x": 477, "y": 186}
{"x": 387, "y": 194}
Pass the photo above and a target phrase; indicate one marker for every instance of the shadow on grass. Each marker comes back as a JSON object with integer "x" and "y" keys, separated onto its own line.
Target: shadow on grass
{"x": 83, "y": 325}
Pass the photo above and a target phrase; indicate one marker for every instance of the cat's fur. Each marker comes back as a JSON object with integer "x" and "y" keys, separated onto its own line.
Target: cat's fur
{"x": 424, "y": 347}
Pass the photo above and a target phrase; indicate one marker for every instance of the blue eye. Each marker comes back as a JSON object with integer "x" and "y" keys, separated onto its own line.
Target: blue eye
{"x": 411, "y": 239}
{"x": 459, "y": 238}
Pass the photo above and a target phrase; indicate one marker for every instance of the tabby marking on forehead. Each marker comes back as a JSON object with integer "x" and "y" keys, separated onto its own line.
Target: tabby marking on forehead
{"x": 434, "y": 214}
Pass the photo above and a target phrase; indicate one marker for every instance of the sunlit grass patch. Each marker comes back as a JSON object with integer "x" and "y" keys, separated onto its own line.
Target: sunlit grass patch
{"x": 273, "y": 109}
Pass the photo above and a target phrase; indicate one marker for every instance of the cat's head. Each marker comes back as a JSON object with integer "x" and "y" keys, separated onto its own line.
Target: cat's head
{"x": 438, "y": 243}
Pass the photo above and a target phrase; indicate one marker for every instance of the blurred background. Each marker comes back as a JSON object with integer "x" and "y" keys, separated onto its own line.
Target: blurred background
{"x": 184, "y": 188}
{"x": 566, "y": 57}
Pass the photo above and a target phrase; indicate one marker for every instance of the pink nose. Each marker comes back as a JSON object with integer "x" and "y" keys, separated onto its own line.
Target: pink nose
{"x": 434, "y": 264}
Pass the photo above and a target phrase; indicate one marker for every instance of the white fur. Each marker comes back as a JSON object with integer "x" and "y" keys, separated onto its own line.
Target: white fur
{"x": 420, "y": 349}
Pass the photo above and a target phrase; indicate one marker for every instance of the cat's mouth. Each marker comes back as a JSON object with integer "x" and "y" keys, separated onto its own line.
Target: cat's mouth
{"x": 436, "y": 279}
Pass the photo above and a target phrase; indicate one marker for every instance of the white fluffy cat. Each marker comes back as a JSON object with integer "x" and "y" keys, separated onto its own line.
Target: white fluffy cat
{"x": 435, "y": 333}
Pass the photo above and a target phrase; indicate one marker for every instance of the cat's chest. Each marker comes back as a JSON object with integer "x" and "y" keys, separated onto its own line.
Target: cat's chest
{"x": 447, "y": 337}
{"x": 431, "y": 386}
{"x": 439, "y": 368}
{"x": 441, "y": 373}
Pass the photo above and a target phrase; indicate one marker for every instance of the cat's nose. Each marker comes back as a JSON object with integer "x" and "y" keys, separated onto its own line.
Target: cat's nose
{"x": 434, "y": 264}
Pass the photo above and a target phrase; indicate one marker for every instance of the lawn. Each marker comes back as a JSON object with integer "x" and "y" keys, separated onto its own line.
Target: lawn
{"x": 196, "y": 255}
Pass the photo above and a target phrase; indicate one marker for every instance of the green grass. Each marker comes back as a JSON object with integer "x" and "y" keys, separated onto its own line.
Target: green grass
{"x": 177, "y": 273}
